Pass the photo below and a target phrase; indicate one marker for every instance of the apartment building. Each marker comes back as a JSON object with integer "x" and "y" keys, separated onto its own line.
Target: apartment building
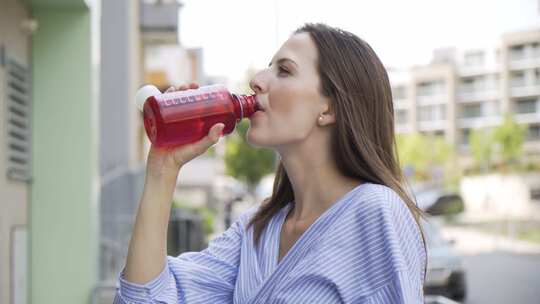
{"x": 463, "y": 90}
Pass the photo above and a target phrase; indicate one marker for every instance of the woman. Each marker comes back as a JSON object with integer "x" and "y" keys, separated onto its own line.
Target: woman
{"x": 338, "y": 228}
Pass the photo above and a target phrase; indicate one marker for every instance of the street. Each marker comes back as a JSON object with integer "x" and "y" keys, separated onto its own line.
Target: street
{"x": 499, "y": 270}
{"x": 503, "y": 277}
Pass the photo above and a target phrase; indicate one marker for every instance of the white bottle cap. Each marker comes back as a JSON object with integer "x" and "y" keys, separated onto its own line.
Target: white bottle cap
{"x": 143, "y": 94}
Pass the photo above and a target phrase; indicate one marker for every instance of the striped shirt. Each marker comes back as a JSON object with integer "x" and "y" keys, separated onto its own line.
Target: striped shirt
{"x": 366, "y": 248}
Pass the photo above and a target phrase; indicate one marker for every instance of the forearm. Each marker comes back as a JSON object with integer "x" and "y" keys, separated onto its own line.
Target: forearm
{"x": 148, "y": 245}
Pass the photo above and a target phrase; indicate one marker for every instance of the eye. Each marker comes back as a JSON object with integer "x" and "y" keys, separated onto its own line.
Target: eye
{"x": 283, "y": 71}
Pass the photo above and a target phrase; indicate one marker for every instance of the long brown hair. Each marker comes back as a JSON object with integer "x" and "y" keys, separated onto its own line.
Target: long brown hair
{"x": 363, "y": 141}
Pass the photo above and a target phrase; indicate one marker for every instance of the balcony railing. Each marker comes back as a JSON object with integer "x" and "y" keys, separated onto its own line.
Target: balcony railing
{"x": 479, "y": 122}
{"x": 477, "y": 95}
{"x": 432, "y": 125}
{"x": 524, "y": 62}
{"x": 525, "y": 90}
{"x": 438, "y": 98}
{"x": 527, "y": 118}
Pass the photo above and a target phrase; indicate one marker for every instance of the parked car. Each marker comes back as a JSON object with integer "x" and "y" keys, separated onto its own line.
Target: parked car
{"x": 445, "y": 273}
{"x": 437, "y": 201}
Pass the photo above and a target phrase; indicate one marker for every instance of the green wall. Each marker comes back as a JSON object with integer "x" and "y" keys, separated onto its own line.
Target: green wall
{"x": 63, "y": 210}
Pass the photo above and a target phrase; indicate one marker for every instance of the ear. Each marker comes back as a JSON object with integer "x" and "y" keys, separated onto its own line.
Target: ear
{"x": 327, "y": 115}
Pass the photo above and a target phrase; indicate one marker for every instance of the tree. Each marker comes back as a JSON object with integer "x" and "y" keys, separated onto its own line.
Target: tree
{"x": 425, "y": 154}
{"x": 245, "y": 162}
{"x": 481, "y": 143}
{"x": 509, "y": 138}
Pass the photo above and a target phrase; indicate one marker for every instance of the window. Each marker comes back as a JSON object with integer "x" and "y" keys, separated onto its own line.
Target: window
{"x": 467, "y": 85}
{"x": 517, "y": 52}
{"x": 429, "y": 88}
{"x": 517, "y": 79}
{"x": 465, "y": 134}
{"x": 535, "y": 194}
{"x": 432, "y": 113}
{"x": 535, "y": 49}
{"x": 533, "y": 133}
{"x": 18, "y": 121}
{"x": 525, "y": 106}
{"x": 472, "y": 84}
{"x": 471, "y": 110}
{"x": 401, "y": 117}
{"x": 399, "y": 92}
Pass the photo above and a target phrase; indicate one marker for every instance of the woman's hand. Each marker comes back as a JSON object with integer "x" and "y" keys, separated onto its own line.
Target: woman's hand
{"x": 148, "y": 246}
{"x": 166, "y": 162}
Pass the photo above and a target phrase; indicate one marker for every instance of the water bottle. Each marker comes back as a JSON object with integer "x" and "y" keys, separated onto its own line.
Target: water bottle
{"x": 182, "y": 117}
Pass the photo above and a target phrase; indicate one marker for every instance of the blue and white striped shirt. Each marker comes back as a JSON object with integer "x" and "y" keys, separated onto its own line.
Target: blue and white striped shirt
{"x": 366, "y": 248}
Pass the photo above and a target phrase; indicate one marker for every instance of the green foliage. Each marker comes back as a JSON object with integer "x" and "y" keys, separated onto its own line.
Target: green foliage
{"x": 245, "y": 162}
{"x": 211, "y": 152}
{"x": 500, "y": 148}
{"x": 423, "y": 153}
{"x": 209, "y": 219}
{"x": 510, "y": 137}
{"x": 481, "y": 142}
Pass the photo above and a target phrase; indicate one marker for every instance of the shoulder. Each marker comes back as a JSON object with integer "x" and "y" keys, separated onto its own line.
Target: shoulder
{"x": 377, "y": 197}
{"x": 372, "y": 244}
{"x": 380, "y": 206}
{"x": 383, "y": 231}
{"x": 375, "y": 239}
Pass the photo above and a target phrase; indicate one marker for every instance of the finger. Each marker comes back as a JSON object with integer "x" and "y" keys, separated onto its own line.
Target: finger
{"x": 186, "y": 153}
{"x": 210, "y": 139}
{"x": 182, "y": 87}
{"x": 171, "y": 89}
{"x": 215, "y": 132}
{"x": 193, "y": 85}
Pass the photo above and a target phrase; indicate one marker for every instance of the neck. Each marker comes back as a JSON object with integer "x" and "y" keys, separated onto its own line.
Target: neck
{"x": 316, "y": 181}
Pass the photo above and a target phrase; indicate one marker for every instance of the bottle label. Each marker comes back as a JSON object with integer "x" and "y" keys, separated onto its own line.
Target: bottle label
{"x": 180, "y": 100}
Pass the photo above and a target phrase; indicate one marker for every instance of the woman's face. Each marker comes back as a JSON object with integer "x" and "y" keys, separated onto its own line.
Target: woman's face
{"x": 288, "y": 91}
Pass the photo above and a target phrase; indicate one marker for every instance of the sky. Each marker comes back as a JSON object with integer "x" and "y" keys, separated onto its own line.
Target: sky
{"x": 238, "y": 34}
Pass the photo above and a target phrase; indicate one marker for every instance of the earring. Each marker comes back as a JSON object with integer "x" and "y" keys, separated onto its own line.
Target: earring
{"x": 320, "y": 119}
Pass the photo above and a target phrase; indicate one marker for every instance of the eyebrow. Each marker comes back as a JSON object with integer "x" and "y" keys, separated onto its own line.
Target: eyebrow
{"x": 281, "y": 60}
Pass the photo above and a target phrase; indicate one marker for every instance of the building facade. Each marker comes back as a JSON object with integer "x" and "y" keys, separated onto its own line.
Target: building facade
{"x": 460, "y": 91}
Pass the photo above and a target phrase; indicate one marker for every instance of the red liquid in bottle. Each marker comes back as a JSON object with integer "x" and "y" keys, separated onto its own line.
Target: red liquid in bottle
{"x": 182, "y": 117}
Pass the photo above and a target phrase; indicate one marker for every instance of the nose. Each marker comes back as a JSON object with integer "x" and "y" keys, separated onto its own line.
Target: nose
{"x": 258, "y": 83}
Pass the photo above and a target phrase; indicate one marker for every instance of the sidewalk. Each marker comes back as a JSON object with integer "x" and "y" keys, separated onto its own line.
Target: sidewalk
{"x": 470, "y": 241}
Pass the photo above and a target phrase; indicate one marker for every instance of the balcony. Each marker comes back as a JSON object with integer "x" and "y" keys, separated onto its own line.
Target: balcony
{"x": 433, "y": 125}
{"x": 525, "y": 90}
{"x": 471, "y": 71}
{"x": 528, "y": 118}
{"x": 159, "y": 21}
{"x": 524, "y": 57}
{"x": 524, "y": 63}
{"x": 435, "y": 99}
{"x": 479, "y": 122}
{"x": 477, "y": 95}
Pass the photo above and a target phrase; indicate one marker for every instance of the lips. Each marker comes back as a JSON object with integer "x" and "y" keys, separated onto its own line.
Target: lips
{"x": 260, "y": 106}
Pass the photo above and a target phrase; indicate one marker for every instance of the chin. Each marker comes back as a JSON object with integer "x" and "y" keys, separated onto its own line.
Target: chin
{"x": 254, "y": 140}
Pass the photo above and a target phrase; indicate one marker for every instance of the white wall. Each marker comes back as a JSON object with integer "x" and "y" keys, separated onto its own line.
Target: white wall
{"x": 500, "y": 196}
